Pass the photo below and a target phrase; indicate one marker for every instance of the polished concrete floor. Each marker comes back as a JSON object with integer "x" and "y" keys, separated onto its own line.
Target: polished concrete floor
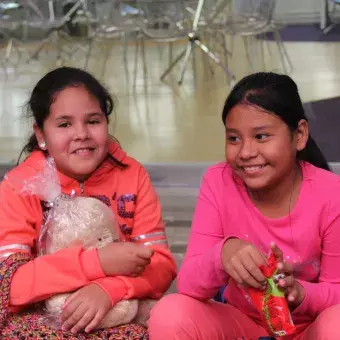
{"x": 161, "y": 122}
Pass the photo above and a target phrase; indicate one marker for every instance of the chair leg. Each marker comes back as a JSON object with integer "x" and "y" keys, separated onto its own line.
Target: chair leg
{"x": 283, "y": 52}
{"x": 125, "y": 57}
{"x": 209, "y": 43}
{"x": 225, "y": 50}
{"x": 289, "y": 60}
{"x": 88, "y": 54}
{"x": 136, "y": 62}
{"x": 171, "y": 52}
{"x": 173, "y": 64}
{"x": 269, "y": 50}
{"x": 145, "y": 69}
{"x": 263, "y": 55}
{"x": 185, "y": 62}
{"x": 206, "y": 60}
{"x": 248, "y": 55}
{"x": 106, "y": 58}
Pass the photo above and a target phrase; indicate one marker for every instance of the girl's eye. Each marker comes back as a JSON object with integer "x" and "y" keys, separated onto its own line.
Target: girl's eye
{"x": 64, "y": 125}
{"x": 91, "y": 122}
{"x": 233, "y": 139}
{"x": 262, "y": 136}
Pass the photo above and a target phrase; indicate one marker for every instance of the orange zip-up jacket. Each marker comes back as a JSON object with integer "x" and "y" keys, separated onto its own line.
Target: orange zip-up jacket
{"x": 131, "y": 196}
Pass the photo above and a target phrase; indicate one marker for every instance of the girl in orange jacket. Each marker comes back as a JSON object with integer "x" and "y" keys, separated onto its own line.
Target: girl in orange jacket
{"x": 71, "y": 111}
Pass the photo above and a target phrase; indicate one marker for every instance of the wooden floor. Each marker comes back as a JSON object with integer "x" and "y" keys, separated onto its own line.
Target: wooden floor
{"x": 161, "y": 122}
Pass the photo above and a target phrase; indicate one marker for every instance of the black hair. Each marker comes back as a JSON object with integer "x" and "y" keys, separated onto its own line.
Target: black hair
{"x": 48, "y": 87}
{"x": 278, "y": 94}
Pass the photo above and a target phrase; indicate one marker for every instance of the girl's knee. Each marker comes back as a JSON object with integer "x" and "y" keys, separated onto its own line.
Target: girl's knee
{"x": 170, "y": 315}
{"x": 170, "y": 308}
{"x": 326, "y": 325}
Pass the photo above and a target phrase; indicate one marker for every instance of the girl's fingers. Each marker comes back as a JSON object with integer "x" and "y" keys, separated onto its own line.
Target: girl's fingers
{"x": 285, "y": 267}
{"x": 143, "y": 262}
{"x": 287, "y": 282}
{"x": 277, "y": 252}
{"x": 253, "y": 269}
{"x": 292, "y": 295}
{"x": 139, "y": 269}
{"x": 258, "y": 257}
{"x": 74, "y": 318}
{"x": 95, "y": 322}
{"x": 232, "y": 272}
{"x": 69, "y": 309}
{"x": 246, "y": 276}
{"x": 133, "y": 275}
{"x": 83, "y": 322}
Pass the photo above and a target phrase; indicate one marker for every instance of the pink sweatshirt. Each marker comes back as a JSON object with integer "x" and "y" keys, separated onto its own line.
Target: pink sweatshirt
{"x": 309, "y": 238}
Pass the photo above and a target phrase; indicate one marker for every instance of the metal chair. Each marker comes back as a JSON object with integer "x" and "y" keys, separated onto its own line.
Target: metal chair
{"x": 41, "y": 16}
{"x": 11, "y": 15}
{"x": 201, "y": 16}
{"x": 164, "y": 22}
{"x": 329, "y": 13}
{"x": 115, "y": 21}
{"x": 249, "y": 20}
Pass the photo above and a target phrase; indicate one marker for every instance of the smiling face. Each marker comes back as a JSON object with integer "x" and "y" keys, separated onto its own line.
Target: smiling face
{"x": 75, "y": 133}
{"x": 260, "y": 147}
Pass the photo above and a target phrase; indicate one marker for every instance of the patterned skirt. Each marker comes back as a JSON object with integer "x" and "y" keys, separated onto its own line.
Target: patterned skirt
{"x": 28, "y": 325}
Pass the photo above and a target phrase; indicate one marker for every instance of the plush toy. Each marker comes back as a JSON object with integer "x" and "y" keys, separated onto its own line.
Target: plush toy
{"x": 88, "y": 222}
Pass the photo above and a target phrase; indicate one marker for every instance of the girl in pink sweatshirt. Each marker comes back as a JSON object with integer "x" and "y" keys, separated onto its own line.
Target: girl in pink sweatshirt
{"x": 274, "y": 192}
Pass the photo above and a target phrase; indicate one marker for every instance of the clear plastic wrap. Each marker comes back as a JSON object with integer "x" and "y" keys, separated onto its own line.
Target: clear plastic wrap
{"x": 73, "y": 220}
{"x": 76, "y": 221}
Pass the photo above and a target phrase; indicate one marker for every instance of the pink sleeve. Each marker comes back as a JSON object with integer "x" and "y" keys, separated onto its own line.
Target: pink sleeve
{"x": 64, "y": 271}
{"x": 202, "y": 274}
{"x": 326, "y": 292}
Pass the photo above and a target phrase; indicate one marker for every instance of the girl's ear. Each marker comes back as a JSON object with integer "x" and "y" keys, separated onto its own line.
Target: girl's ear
{"x": 40, "y": 137}
{"x": 302, "y": 135}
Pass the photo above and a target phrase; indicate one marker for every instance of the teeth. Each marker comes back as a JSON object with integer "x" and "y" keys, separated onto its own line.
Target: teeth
{"x": 253, "y": 168}
{"x": 81, "y": 151}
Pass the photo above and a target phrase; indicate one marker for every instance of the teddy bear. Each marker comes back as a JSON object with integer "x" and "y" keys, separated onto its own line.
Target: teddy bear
{"x": 88, "y": 222}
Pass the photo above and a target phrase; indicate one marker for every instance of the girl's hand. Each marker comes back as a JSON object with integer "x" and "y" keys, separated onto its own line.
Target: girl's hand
{"x": 294, "y": 292}
{"x": 85, "y": 309}
{"x": 124, "y": 258}
{"x": 241, "y": 260}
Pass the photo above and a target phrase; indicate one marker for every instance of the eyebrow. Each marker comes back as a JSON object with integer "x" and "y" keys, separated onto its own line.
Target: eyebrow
{"x": 257, "y": 128}
{"x": 89, "y": 115}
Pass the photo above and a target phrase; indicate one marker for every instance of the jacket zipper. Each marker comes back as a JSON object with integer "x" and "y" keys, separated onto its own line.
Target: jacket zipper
{"x": 81, "y": 185}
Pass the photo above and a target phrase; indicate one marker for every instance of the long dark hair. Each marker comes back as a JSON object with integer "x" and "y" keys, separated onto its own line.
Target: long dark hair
{"x": 46, "y": 90}
{"x": 278, "y": 94}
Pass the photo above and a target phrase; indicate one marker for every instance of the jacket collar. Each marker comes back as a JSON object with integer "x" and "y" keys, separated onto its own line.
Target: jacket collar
{"x": 36, "y": 160}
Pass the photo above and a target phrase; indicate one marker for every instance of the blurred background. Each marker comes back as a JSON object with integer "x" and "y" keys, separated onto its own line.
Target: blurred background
{"x": 171, "y": 64}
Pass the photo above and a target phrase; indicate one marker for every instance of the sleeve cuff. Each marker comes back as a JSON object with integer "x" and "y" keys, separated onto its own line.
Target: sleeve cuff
{"x": 91, "y": 264}
{"x": 304, "y": 307}
{"x": 217, "y": 260}
{"x": 113, "y": 287}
